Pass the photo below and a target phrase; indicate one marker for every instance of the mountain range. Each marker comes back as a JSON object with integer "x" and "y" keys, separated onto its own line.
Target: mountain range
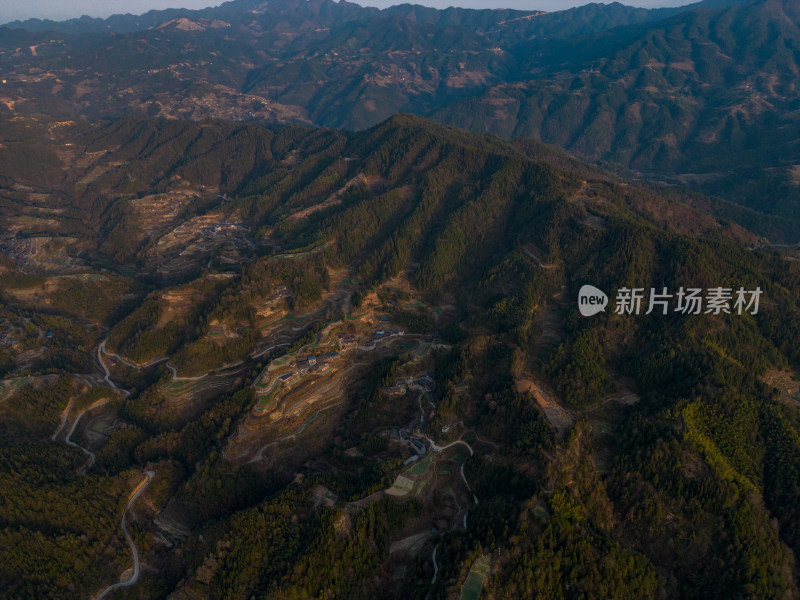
{"x": 166, "y": 285}
{"x": 701, "y": 96}
{"x": 295, "y": 295}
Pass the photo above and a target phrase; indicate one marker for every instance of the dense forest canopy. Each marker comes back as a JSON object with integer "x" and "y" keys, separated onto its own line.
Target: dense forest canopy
{"x": 617, "y": 455}
{"x": 267, "y": 331}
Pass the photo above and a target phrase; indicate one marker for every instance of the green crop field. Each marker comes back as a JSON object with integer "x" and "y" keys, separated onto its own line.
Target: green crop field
{"x": 421, "y": 467}
{"x": 471, "y": 590}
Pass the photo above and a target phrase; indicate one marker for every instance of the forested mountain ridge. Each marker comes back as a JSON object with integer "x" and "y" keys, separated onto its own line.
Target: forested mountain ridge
{"x": 432, "y": 276}
{"x": 584, "y": 19}
{"x": 267, "y": 331}
{"x": 705, "y": 96}
{"x": 702, "y": 95}
{"x": 96, "y": 175}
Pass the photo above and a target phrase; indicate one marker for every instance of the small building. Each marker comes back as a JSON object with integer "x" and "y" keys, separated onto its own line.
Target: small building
{"x": 424, "y": 384}
{"x": 347, "y": 340}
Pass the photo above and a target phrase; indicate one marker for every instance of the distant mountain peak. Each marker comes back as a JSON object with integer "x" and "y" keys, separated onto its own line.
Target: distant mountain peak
{"x": 183, "y": 24}
{"x": 186, "y": 24}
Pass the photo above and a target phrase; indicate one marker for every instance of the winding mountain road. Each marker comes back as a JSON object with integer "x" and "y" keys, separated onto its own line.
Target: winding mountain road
{"x": 435, "y": 571}
{"x": 435, "y": 447}
{"x": 129, "y": 363}
{"x": 64, "y": 416}
{"x": 86, "y": 451}
{"x": 263, "y": 352}
{"x": 136, "y": 569}
{"x": 175, "y": 377}
{"x": 101, "y": 349}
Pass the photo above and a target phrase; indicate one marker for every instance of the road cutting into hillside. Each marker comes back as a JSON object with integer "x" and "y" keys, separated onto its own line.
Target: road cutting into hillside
{"x": 136, "y": 567}
{"x": 86, "y": 451}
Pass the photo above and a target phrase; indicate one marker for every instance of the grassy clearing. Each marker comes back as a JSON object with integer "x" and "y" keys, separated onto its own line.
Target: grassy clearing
{"x": 421, "y": 467}
{"x": 471, "y": 590}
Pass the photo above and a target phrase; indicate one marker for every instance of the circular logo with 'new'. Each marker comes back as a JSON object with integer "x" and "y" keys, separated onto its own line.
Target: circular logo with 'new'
{"x": 591, "y": 300}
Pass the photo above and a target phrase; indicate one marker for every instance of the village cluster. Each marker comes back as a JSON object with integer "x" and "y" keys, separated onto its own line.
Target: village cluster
{"x": 422, "y": 384}
{"x": 19, "y": 250}
{"x": 208, "y": 230}
{"x": 321, "y": 363}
